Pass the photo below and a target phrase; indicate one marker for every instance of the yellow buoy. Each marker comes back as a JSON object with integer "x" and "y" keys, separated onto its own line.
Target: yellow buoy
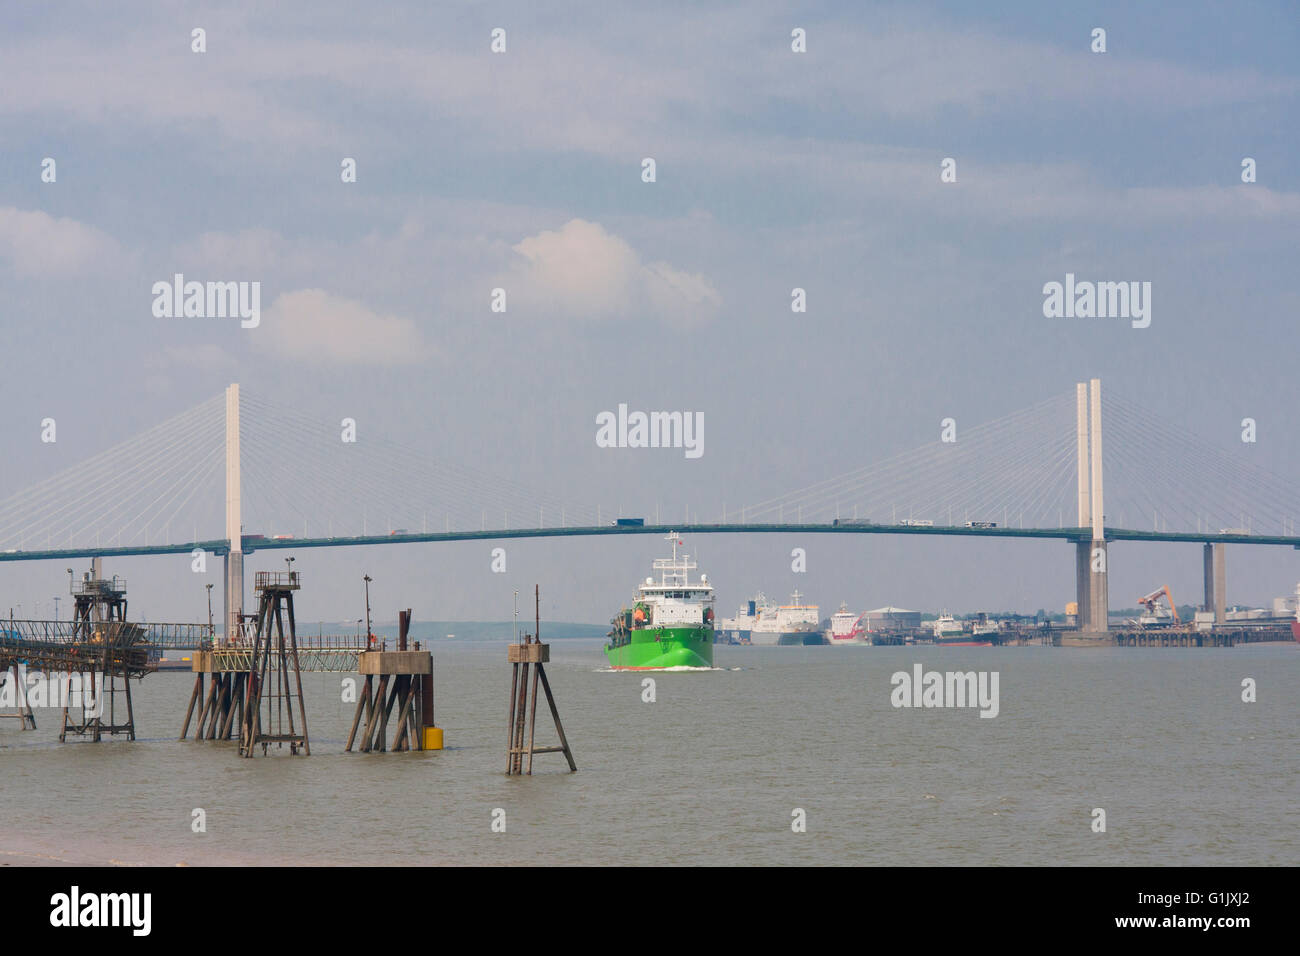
{"x": 432, "y": 738}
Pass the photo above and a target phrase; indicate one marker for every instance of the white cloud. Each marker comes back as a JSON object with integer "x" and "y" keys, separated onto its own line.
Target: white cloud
{"x": 582, "y": 271}
{"x": 324, "y": 329}
{"x": 38, "y": 245}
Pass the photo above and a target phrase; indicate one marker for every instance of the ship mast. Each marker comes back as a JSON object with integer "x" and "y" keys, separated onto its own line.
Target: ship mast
{"x": 664, "y": 572}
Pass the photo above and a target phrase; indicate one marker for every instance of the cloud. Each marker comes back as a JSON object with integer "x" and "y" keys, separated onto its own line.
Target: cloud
{"x": 38, "y": 245}
{"x": 583, "y": 271}
{"x": 323, "y": 329}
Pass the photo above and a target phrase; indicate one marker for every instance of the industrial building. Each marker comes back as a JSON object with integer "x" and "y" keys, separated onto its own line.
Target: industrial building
{"x": 892, "y": 619}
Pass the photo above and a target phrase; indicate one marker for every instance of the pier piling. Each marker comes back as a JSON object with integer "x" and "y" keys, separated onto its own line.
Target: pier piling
{"x": 531, "y": 653}
{"x": 22, "y": 706}
{"x": 409, "y": 673}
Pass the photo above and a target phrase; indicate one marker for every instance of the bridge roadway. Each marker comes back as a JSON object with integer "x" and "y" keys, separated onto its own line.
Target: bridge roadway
{"x": 252, "y": 543}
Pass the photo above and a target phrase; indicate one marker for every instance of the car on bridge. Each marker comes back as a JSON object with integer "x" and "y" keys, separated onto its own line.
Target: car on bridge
{"x": 981, "y": 524}
{"x": 629, "y": 522}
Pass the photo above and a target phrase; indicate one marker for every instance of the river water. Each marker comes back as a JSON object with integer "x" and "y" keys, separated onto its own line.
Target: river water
{"x": 712, "y": 771}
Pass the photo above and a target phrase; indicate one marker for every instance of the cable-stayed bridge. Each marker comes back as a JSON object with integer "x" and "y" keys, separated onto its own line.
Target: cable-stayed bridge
{"x": 203, "y": 478}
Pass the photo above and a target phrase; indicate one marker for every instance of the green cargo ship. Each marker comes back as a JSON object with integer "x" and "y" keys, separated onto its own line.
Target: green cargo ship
{"x": 671, "y": 622}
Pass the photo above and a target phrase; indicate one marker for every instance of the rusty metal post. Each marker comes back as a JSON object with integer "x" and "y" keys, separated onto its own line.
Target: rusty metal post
{"x": 194, "y": 699}
{"x": 531, "y": 652}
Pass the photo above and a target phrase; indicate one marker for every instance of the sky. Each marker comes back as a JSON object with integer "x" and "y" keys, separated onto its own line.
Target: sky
{"x": 774, "y": 170}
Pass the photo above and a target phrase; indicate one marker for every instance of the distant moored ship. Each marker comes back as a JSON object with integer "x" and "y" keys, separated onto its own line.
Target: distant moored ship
{"x": 1295, "y": 625}
{"x": 792, "y": 623}
{"x": 846, "y": 628}
{"x": 738, "y": 629}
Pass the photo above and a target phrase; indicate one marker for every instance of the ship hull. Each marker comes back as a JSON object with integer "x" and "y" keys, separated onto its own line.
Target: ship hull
{"x": 785, "y": 638}
{"x": 962, "y": 640}
{"x": 1295, "y": 630}
{"x": 658, "y": 648}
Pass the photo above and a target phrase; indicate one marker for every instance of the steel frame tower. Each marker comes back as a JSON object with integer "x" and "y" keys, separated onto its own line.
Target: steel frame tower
{"x": 271, "y": 694}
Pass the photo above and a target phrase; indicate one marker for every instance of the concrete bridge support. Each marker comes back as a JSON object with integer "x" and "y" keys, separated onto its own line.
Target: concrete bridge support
{"x": 1216, "y": 581}
{"x": 1083, "y": 582}
{"x": 1099, "y": 590}
{"x": 233, "y": 603}
{"x": 1082, "y": 550}
{"x": 1090, "y": 556}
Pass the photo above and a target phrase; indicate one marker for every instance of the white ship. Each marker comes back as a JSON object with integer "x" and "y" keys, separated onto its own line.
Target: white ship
{"x": 792, "y": 623}
{"x": 737, "y": 629}
{"x": 945, "y": 625}
{"x": 846, "y": 628}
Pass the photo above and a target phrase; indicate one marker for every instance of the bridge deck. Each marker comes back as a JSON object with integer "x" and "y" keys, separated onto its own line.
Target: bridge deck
{"x": 251, "y": 544}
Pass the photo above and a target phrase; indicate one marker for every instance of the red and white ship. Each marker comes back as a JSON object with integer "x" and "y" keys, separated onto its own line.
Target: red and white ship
{"x": 846, "y": 628}
{"x": 1295, "y": 624}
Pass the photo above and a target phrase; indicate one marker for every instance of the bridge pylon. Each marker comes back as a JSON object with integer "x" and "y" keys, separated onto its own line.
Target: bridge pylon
{"x": 1092, "y": 587}
{"x": 233, "y": 565}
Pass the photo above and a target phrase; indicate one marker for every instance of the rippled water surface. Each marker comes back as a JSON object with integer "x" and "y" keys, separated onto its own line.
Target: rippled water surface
{"x": 711, "y": 771}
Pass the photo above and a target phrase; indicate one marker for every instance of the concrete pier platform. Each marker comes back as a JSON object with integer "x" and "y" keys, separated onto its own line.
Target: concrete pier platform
{"x": 395, "y": 662}
{"x": 1087, "y": 639}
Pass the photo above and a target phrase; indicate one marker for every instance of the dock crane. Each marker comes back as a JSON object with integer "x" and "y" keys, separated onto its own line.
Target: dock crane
{"x": 1155, "y": 615}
